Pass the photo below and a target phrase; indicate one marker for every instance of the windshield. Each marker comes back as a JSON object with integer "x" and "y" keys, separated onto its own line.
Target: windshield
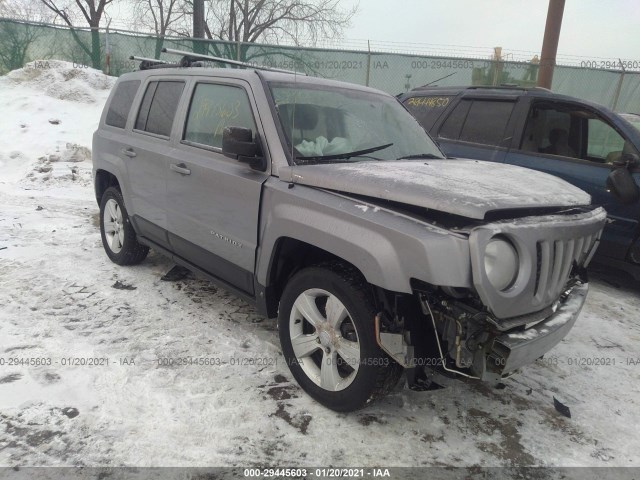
{"x": 325, "y": 124}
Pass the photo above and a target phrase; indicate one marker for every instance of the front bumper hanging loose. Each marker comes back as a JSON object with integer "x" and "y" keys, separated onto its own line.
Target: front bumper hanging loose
{"x": 513, "y": 350}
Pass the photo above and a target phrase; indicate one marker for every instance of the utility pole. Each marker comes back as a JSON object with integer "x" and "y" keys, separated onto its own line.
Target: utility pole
{"x": 550, "y": 43}
{"x": 198, "y": 18}
{"x": 198, "y": 25}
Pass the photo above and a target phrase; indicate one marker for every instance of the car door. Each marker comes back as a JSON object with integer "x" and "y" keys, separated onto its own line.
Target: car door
{"x": 148, "y": 154}
{"x": 214, "y": 201}
{"x": 576, "y": 143}
{"x": 477, "y": 128}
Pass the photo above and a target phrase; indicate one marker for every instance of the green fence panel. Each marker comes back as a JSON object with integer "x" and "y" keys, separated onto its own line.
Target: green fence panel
{"x": 22, "y": 42}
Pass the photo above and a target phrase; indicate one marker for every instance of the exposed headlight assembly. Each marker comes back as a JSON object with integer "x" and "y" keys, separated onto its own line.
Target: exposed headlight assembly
{"x": 501, "y": 263}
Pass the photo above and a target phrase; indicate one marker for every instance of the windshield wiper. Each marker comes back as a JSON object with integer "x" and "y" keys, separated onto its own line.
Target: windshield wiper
{"x": 421, "y": 155}
{"x": 346, "y": 155}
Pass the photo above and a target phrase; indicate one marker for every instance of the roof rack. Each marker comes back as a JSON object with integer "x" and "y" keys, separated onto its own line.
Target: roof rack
{"x": 503, "y": 86}
{"x": 145, "y": 59}
{"x": 149, "y": 63}
{"x": 191, "y": 59}
{"x": 153, "y": 63}
{"x": 506, "y": 86}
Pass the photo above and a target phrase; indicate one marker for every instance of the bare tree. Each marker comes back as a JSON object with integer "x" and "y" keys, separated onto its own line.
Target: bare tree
{"x": 160, "y": 16}
{"x": 25, "y": 10}
{"x": 15, "y": 40}
{"x": 90, "y": 11}
{"x": 272, "y": 21}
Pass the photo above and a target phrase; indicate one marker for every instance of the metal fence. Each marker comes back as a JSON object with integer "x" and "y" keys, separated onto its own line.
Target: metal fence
{"x": 109, "y": 51}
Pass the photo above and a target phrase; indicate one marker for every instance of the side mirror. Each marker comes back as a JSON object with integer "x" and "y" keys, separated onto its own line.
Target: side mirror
{"x": 630, "y": 160}
{"x": 238, "y": 143}
{"x": 620, "y": 181}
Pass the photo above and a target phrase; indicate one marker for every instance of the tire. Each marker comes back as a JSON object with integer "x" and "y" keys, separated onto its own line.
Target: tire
{"x": 338, "y": 372}
{"x": 118, "y": 237}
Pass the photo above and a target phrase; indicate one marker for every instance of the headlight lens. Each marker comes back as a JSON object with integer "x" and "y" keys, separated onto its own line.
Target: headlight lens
{"x": 501, "y": 263}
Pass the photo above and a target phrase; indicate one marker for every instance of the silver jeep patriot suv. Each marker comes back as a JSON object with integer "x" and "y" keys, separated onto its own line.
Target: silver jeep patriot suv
{"x": 326, "y": 205}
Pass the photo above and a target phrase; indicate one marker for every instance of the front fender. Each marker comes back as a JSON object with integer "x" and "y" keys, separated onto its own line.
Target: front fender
{"x": 387, "y": 247}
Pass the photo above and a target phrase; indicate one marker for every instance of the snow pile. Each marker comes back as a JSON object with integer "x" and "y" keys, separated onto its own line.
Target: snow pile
{"x": 73, "y": 163}
{"x": 50, "y": 111}
{"x": 63, "y": 80}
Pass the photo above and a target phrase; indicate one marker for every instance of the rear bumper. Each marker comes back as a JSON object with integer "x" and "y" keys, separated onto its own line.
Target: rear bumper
{"x": 513, "y": 350}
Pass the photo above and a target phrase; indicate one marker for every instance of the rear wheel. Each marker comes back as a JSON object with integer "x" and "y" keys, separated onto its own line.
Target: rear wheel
{"x": 118, "y": 237}
{"x": 326, "y": 325}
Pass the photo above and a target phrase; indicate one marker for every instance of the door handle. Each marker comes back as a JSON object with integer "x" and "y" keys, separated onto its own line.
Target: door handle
{"x": 129, "y": 152}
{"x": 181, "y": 169}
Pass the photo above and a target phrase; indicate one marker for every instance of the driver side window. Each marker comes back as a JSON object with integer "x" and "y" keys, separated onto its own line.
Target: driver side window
{"x": 605, "y": 145}
{"x": 571, "y": 132}
{"x": 214, "y": 107}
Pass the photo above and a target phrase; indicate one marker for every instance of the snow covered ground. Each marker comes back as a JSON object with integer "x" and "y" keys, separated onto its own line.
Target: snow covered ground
{"x": 62, "y": 299}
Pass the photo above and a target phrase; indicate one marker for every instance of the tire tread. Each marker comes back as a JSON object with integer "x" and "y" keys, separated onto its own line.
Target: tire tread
{"x": 132, "y": 251}
{"x": 388, "y": 377}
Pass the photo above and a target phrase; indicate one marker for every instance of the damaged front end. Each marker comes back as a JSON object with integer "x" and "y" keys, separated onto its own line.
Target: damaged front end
{"x": 503, "y": 322}
{"x": 474, "y": 343}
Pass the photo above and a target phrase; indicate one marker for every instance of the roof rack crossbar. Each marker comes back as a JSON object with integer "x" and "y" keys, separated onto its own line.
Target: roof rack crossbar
{"x": 151, "y": 63}
{"x": 226, "y": 60}
{"x": 145, "y": 59}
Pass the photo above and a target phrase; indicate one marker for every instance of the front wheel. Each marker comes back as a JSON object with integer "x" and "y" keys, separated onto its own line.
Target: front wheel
{"x": 326, "y": 326}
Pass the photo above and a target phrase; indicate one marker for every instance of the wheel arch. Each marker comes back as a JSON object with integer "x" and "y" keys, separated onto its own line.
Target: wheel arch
{"x": 288, "y": 256}
{"x": 102, "y": 181}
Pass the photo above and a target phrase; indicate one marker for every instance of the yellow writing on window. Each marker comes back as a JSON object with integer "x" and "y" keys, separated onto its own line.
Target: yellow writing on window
{"x": 428, "y": 102}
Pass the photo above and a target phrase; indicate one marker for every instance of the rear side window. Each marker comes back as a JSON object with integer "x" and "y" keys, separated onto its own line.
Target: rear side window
{"x": 486, "y": 122}
{"x": 427, "y": 109}
{"x": 159, "y": 107}
{"x": 121, "y": 103}
{"x": 214, "y": 107}
{"x": 478, "y": 121}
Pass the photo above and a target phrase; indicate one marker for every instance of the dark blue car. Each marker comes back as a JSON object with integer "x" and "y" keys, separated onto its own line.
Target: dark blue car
{"x": 584, "y": 143}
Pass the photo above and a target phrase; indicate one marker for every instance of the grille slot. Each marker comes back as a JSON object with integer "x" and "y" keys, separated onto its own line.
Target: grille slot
{"x": 555, "y": 259}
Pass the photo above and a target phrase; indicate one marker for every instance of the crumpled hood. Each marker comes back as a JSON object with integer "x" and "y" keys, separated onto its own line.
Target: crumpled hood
{"x": 469, "y": 188}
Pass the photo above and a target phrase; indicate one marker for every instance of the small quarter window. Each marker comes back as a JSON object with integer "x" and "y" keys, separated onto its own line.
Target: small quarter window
{"x": 427, "y": 109}
{"x": 121, "y": 103}
{"x": 453, "y": 124}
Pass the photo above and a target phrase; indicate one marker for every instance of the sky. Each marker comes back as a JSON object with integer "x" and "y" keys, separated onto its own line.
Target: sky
{"x": 591, "y": 28}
